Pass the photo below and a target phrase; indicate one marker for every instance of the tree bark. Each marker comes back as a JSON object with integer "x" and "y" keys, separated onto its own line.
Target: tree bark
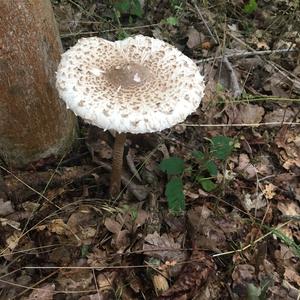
{"x": 34, "y": 123}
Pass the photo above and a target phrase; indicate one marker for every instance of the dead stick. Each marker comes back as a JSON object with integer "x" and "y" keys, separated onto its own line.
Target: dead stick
{"x": 243, "y": 54}
{"x": 204, "y": 22}
{"x": 237, "y": 92}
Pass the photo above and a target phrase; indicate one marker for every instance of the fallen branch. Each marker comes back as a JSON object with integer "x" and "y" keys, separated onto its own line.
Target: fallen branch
{"x": 234, "y": 83}
{"x": 243, "y": 124}
{"x": 243, "y": 54}
{"x": 204, "y": 22}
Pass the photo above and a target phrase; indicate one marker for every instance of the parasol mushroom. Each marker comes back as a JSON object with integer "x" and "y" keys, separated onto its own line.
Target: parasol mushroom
{"x": 136, "y": 85}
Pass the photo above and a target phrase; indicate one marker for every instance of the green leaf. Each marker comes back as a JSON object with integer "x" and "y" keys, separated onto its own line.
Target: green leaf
{"x": 131, "y": 7}
{"x": 172, "y": 21}
{"x": 122, "y": 6}
{"x": 121, "y": 35}
{"x": 175, "y": 196}
{"x": 198, "y": 154}
{"x": 206, "y": 184}
{"x": 172, "y": 166}
{"x": 136, "y": 8}
{"x": 250, "y": 7}
{"x": 221, "y": 147}
{"x": 211, "y": 168}
{"x": 253, "y": 292}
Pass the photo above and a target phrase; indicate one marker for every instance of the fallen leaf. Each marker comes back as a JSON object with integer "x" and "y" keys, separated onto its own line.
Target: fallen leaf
{"x": 288, "y": 140}
{"x": 269, "y": 191}
{"x": 245, "y": 114}
{"x": 264, "y": 165}
{"x": 193, "y": 276}
{"x": 121, "y": 237}
{"x": 253, "y": 201}
{"x": 83, "y": 224}
{"x": 97, "y": 296}
{"x": 77, "y": 280}
{"x": 45, "y": 292}
{"x": 246, "y": 167}
{"x": 106, "y": 280}
{"x": 112, "y": 225}
{"x": 11, "y": 223}
{"x": 156, "y": 242}
{"x": 13, "y": 240}
{"x": 279, "y": 115}
{"x": 194, "y": 37}
{"x": 5, "y": 208}
{"x": 289, "y": 208}
{"x": 242, "y": 275}
{"x": 57, "y": 226}
{"x": 204, "y": 231}
{"x": 292, "y": 276}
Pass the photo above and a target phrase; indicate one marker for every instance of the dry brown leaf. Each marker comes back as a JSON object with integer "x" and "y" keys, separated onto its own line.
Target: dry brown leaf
{"x": 75, "y": 280}
{"x": 140, "y": 219}
{"x": 288, "y": 139}
{"x": 5, "y": 208}
{"x": 242, "y": 275}
{"x": 112, "y": 225}
{"x": 121, "y": 237}
{"x": 45, "y": 292}
{"x": 167, "y": 250}
{"x": 57, "y": 226}
{"x": 204, "y": 231}
{"x": 194, "y": 275}
{"x": 279, "y": 115}
{"x": 11, "y": 223}
{"x": 269, "y": 191}
{"x": 97, "y": 296}
{"x": 245, "y": 114}
{"x": 253, "y": 201}
{"x": 83, "y": 224}
{"x": 106, "y": 280}
{"x": 292, "y": 276}
{"x": 264, "y": 165}
{"x": 156, "y": 242}
{"x": 13, "y": 240}
{"x": 96, "y": 258}
{"x": 194, "y": 38}
{"x": 246, "y": 167}
{"x": 289, "y": 208}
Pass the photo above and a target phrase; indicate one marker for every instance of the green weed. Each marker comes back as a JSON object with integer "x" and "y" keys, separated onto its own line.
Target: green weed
{"x": 129, "y": 7}
{"x": 220, "y": 149}
{"x": 250, "y": 7}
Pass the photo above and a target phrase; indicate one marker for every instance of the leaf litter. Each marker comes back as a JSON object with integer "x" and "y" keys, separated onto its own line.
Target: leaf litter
{"x": 63, "y": 238}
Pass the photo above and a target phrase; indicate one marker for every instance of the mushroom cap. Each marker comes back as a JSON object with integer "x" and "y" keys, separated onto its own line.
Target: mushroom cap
{"x": 136, "y": 85}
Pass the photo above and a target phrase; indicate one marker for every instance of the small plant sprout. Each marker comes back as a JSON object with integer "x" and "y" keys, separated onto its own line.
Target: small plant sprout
{"x": 136, "y": 85}
{"x": 207, "y": 170}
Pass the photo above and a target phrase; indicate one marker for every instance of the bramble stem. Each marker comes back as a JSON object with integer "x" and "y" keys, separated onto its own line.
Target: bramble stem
{"x": 117, "y": 164}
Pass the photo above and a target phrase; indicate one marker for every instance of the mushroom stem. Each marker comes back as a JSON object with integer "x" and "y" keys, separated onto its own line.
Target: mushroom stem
{"x": 117, "y": 164}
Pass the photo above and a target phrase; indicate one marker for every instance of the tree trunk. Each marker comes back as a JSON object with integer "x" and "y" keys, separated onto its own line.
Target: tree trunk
{"x": 34, "y": 123}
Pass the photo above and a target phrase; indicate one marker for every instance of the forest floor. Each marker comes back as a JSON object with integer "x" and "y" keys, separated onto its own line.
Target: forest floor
{"x": 231, "y": 229}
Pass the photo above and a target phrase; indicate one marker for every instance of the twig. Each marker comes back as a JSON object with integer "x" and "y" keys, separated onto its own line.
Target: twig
{"x": 243, "y": 124}
{"x": 204, "y": 22}
{"x": 279, "y": 69}
{"x": 242, "y": 54}
{"x": 34, "y": 285}
{"x": 253, "y": 243}
{"x": 237, "y": 92}
{"x": 139, "y": 191}
{"x": 131, "y": 166}
{"x": 42, "y": 196}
